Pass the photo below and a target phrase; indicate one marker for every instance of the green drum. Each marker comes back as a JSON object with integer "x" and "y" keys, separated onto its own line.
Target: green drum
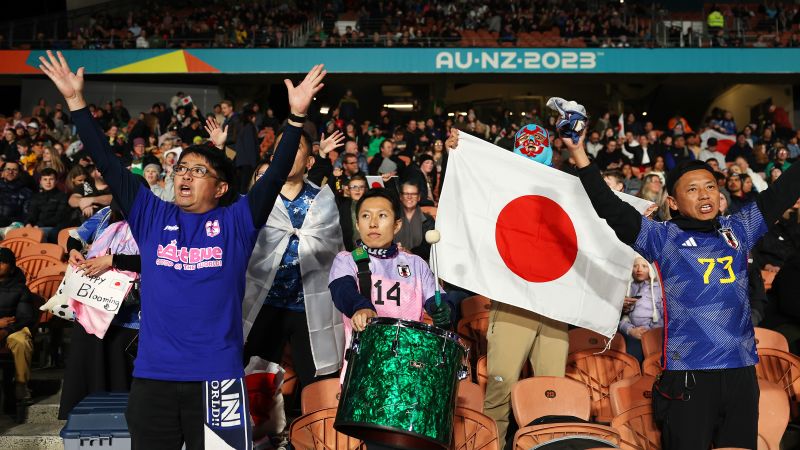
{"x": 400, "y": 385}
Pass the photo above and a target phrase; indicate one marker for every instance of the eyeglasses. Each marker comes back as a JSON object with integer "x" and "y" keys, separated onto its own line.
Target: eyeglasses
{"x": 410, "y": 194}
{"x": 197, "y": 171}
{"x": 9, "y": 169}
{"x": 357, "y": 188}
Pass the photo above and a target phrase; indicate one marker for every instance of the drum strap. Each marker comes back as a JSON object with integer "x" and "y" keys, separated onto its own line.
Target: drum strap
{"x": 361, "y": 257}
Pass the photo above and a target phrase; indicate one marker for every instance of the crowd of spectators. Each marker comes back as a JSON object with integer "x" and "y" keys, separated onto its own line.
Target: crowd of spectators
{"x": 407, "y": 23}
{"x": 48, "y": 181}
{"x": 221, "y": 24}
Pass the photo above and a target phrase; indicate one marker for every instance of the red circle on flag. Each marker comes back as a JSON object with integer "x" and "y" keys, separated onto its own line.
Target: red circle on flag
{"x": 376, "y": 185}
{"x": 536, "y": 238}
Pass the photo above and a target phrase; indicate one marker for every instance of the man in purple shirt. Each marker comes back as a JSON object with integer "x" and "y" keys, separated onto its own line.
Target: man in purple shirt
{"x": 188, "y": 385}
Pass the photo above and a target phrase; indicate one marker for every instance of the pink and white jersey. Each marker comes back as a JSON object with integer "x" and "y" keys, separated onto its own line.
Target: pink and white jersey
{"x": 400, "y": 286}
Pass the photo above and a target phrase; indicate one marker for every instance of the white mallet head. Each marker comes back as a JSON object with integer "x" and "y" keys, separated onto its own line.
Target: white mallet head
{"x": 432, "y": 236}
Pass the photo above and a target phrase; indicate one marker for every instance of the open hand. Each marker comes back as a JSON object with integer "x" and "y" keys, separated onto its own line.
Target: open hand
{"x": 300, "y": 96}
{"x": 333, "y": 141}
{"x": 218, "y": 135}
{"x": 68, "y": 83}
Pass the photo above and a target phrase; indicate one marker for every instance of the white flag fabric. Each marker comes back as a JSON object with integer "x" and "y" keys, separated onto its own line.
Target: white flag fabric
{"x": 525, "y": 234}
{"x": 724, "y": 141}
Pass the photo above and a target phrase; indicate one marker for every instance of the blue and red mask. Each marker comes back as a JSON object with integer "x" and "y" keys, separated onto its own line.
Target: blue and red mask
{"x": 533, "y": 141}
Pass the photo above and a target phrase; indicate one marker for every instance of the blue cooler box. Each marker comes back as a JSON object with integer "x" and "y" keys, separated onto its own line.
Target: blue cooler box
{"x": 98, "y": 421}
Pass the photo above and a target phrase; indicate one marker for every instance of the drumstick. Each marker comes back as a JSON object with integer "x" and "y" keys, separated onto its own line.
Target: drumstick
{"x": 432, "y": 237}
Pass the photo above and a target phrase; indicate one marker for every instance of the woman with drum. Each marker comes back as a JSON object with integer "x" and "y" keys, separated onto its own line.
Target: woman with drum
{"x": 390, "y": 394}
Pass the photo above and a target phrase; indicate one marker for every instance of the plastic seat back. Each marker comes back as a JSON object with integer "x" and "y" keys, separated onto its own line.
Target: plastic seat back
{"x": 473, "y": 430}
{"x": 54, "y": 270}
{"x": 52, "y": 250}
{"x": 474, "y": 327}
{"x": 637, "y": 430}
{"x": 470, "y": 396}
{"x": 630, "y": 393}
{"x": 537, "y": 397}
{"x": 17, "y": 245}
{"x": 31, "y": 265}
{"x": 530, "y": 437}
{"x": 475, "y": 304}
{"x": 482, "y": 373}
{"x": 34, "y": 234}
{"x": 320, "y": 395}
{"x": 781, "y": 368}
{"x": 652, "y": 341}
{"x": 583, "y": 339}
{"x": 770, "y": 339}
{"x": 45, "y": 287}
{"x": 63, "y": 237}
{"x": 652, "y": 365}
{"x": 598, "y": 371}
{"x": 314, "y": 431}
{"x": 773, "y": 413}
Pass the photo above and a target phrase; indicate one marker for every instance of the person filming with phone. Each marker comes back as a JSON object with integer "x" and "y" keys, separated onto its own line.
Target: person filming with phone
{"x": 643, "y": 308}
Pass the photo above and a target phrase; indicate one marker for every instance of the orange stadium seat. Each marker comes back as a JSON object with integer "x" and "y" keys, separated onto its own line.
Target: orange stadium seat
{"x": 583, "y": 339}
{"x": 320, "y": 395}
{"x": 32, "y": 264}
{"x": 51, "y": 250}
{"x": 637, "y": 430}
{"x": 470, "y": 395}
{"x": 770, "y": 339}
{"x": 631, "y": 392}
{"x": 773, "y": 415}
{"x": 598, "y": 371}
{"x": 315, "y": 431}
{"x": 652, "y": 341}
{"x": 17, "y": 245}
{"x": 34, "y": 234}
{"x": 473, "y": 430}
{"x": 63, "y": 237}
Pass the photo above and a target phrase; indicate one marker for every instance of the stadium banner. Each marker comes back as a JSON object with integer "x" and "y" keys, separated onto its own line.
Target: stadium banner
{"x": 418, "y": 60}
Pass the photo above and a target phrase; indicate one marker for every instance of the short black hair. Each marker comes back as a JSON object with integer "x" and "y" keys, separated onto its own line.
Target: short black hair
{"x": 686, "y": 166}
{"x": 221, "y": 165}
{"x": 382, "y": 193}
{"x": 48, "y": 172}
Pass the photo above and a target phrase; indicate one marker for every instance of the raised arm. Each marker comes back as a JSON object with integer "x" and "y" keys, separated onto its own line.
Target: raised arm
{"x": 123, "y": 183}
{"x": 783, "y": 193}
{"x": 263, "y": 194}
{"x": 622, "y": 217}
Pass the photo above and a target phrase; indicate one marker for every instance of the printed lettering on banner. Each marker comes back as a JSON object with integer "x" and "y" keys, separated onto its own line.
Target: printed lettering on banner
{"x": 104, "y": 292}
{"x": 224, "y": 404}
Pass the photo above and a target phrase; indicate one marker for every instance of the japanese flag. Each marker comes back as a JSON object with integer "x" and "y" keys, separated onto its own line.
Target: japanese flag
{"x": 525, "y": 234}
{"x": 724, "y": 141}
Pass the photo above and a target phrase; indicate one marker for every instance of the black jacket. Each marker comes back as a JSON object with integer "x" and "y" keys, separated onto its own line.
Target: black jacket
{"x": 17, "y": 301}
{"x": 48, "y": 209}
{"x": 346, "y": 222}
{"x": 247, "y": 149}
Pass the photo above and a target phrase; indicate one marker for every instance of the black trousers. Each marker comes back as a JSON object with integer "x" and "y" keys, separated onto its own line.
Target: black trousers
{"x": 96, "y": 365}
{"x": 272, "y": 329}
{"x": 162, "y": 415}
{"x": 696, "y": 409}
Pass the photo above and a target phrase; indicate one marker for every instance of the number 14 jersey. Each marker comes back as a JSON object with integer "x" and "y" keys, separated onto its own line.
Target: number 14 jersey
{"x": 400, "y": 285}
{"x": 706, "y": 301}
